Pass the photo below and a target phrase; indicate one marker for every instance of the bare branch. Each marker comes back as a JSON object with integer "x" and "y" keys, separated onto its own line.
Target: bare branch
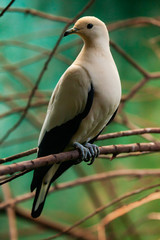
{"x": 6, "y": 8}
{"x": 42, "y": 73}
{"x": 101, "y": 137}
{"x": 78, "y": 233}
{"x": 73, "y": 155}
{"x": 126, "y": 208}
{"x": 125, "y": 155}
{"x": 23, "y": 95}
{"x": 127, "y": 195}
{"x": 39, "y": 103}
{"x": 9, "y": 179}
{"x": 129, "y": 59}
{"x": 135, "y": 89}
{"x": 40, "y": 14}
{"x": 88, "y": 179}
{"x": 129, "y": 124}
{"x": 11, "y": 213}
{"x": 138, "y": 21}
{"x": 19, "y": 155}
{"x": 129, "y": 150}
{"x": 129, "y": 133}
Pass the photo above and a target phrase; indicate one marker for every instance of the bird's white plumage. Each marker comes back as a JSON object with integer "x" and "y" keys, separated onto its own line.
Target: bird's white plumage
{"x": 94, "y": 65}
{"x": 70, "y": 94}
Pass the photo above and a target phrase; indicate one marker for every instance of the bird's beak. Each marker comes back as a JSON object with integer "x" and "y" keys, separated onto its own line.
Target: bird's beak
{"x": 70, "y": 31}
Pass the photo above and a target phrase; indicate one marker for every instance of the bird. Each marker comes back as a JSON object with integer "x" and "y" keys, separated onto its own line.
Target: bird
{"x": 84, "y": 101}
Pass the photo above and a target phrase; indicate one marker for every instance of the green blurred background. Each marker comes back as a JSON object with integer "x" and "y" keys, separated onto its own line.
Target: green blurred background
{"x": 20, "y": 66}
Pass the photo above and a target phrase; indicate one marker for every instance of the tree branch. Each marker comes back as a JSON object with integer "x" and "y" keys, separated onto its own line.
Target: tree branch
{"x": 40, "y": 14}
{"x": 88, "y": 179}
{"x": 43, "y": 71}
{"x": 51, "y": 225}
{"x": 102, "y": 208}
{"x": 18, "y": 155}
{"x": 11, "y": 213}
{"x": 129, "y": 133}
{"x": 101, "y": 137}
{"x": 139, "y": 21}
{"x": 39, "y": 103}
{"x": 126, "y": 208}
{"x": 73, "y": 155}
{"x": 6, "y": 8}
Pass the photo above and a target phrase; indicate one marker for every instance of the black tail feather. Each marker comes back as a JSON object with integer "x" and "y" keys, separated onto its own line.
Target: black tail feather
{"x": 62, "y": 167}
{"x": 36, "y": 213}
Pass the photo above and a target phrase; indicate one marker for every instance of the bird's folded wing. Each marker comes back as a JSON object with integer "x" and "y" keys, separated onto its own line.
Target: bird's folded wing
{"x": 68, "y": 100}
{"x": 70, "y": 103}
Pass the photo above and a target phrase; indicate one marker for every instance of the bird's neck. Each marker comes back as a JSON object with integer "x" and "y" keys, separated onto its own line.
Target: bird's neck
{"x": 99, "y": 44}
{"x": 93, "y": 50}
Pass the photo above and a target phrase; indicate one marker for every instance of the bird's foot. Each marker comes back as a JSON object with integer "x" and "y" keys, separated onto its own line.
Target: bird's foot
{"x": 94, "y": 150}
{"x": 88, "y": 152}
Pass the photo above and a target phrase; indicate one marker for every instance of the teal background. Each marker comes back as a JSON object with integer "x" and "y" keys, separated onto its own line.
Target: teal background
{"x": 70, "y": 205}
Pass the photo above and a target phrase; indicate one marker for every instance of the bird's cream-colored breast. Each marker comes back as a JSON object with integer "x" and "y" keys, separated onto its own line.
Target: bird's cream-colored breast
{"x": 107, "y": 94}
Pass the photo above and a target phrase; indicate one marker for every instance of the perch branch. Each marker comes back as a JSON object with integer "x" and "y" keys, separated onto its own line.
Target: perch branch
{"x": 73, "y": 155}
{"x": 101, "y": 137}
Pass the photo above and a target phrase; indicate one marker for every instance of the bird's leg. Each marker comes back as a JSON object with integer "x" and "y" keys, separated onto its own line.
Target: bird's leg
{"x": 94, "y": 150}
{"x": 88, "y": 152}
{"x": 85, "y": 154}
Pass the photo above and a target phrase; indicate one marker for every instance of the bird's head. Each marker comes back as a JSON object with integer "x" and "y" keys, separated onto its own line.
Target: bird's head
{"x": 89, "y": 28}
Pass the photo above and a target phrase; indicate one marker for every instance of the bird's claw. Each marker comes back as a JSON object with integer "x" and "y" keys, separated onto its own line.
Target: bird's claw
{"x": 88, "y": 152}
{"x": 94, "y": 150}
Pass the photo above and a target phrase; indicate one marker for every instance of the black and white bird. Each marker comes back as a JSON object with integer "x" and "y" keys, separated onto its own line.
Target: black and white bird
{"x": 83, "y": 102}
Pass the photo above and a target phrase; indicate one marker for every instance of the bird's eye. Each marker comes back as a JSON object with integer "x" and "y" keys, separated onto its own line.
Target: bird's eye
{"x": 90, "y": 25}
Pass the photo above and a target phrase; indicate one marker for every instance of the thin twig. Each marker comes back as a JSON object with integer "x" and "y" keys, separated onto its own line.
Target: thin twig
{"x": 28, "y": 84}
{"x": 129, "y": 124}
{"x": 6, "y": 8}
{"x": 43, "y": 71}
{"x": 11, "y": 213}
{"x": 52, "y": 225}
{"x": 127, "y": 208}
{"x": 39, "y": 103}
{"x": 135, "y": 89}
{"x": 138, "y": 21}
{"x": 127, "y": 195}
{"x": 40, "y": 14}
{"x": 19, "y": 155}
{"x": 129, "y": 133}
{"x": 91, "y": 191}
{"x": 130, "y": 60}
{"x": 88, "y": 179}
{"x": 9, "y": 179}
{"x": 24, "y": 95}
{"x": 125, "y": 155}
{"x": 20, "y": 140}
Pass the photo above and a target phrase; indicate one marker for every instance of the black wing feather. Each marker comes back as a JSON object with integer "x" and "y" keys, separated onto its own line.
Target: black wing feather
{"x": 55, "y": 140}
